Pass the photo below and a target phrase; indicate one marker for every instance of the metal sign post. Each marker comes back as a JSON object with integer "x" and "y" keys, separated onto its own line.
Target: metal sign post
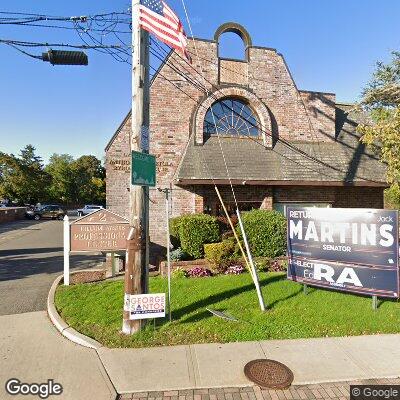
{"x": 168, "y": 244}
{"x": 66, "y": 250}
{"x": 168, "y": 254}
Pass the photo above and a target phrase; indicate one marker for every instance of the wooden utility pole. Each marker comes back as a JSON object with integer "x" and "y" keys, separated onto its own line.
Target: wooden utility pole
{"x": 136, "y": 267}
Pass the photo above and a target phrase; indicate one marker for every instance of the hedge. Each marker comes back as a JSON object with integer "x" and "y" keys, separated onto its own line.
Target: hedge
{"x": 174, "y": 225}
{"x": 195, "y": 231}
{"x": 265, "y": 231}
{"x": 218, "y": 254}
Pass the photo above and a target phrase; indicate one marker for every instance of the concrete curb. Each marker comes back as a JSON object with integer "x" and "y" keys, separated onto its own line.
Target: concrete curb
{"x": 62, "y": 326}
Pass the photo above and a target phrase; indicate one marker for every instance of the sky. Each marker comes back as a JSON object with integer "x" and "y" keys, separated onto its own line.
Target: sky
{"x": 329, "y": 45}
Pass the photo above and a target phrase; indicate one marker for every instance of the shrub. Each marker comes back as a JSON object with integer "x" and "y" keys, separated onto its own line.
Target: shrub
{"x": 278, "y": 265}
{"x": 178, "y": 255}
{"x": 195, "y": 231}
{"x": 218, "y": 254}
{"x": 262, "y": 264}
{"x": 178, "y": 273}
{"x": 198, "y": 272}
{"x": 174, "y": 225}
{"x": 265, "y": 231}
{"x": 265, "y": 264}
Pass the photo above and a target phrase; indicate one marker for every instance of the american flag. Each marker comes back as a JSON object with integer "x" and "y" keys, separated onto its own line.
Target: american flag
{"x": 156, "y": 17}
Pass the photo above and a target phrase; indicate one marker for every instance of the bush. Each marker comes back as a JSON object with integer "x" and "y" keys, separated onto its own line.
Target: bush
{"x": 178, "y": 255}
{"x": 174, "y": 225}
{"x": 278, "y": 265}
{"x": 262, "y": 264}
{"x": 178, "y": 273}
{"x": 195, "y": 231}
{"x": 265, "y": 231}
{"x": 198, "y": 272}
{"x": 218, "y": 254}
{"x": 265, "y": 264}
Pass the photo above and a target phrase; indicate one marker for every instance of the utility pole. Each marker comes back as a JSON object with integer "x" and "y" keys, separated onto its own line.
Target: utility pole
{"x": 136, "y": 268}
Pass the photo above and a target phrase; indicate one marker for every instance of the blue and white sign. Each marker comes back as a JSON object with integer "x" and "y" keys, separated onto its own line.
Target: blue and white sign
{"x": 354, "y": 250}
{"x": 145, "y": 306}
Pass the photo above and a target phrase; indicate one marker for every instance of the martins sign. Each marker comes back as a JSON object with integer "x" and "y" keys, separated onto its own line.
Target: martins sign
{"x": 354, "y": 250}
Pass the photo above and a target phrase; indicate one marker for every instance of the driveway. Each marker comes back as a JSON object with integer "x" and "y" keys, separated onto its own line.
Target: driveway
{"x": 31, "y": 256}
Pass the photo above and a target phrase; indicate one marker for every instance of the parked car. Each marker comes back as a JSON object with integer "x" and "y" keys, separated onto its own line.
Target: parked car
{"x": 87, "y": 209}
{"x": 49, "y": 211}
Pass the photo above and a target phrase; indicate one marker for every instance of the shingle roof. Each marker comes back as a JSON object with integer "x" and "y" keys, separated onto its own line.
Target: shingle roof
{"x": 346, "y": 160}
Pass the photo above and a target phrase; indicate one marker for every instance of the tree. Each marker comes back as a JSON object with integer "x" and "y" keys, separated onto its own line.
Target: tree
{"x": 89, "y": 180}
{"x": 381, "y": 98}
{"x": 62, "y": 180}
{"x": 23, "y": 179}
{"x": 76, "y": 181}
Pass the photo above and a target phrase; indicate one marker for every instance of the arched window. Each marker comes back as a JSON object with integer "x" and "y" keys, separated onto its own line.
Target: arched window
{"x": 232, "y": 117}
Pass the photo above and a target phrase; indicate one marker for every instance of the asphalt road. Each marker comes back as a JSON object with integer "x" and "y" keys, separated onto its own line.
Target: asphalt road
{"x": 31, "y": 257}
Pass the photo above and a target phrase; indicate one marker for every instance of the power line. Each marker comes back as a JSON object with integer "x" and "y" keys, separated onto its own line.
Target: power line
{"x": 38, "y": 44}
{"x": 71, "y": 28}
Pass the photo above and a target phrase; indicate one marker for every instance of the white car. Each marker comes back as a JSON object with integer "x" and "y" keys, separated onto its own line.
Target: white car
{"x": 87, "y": 209}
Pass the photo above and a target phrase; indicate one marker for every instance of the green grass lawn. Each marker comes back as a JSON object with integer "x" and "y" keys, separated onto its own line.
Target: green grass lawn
{"x": 96, "y": 311}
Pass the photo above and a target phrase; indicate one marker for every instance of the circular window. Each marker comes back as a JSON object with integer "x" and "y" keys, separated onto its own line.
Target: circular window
{"x": 232, "y": 117}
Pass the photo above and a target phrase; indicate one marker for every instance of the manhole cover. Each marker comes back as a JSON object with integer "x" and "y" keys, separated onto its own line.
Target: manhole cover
{"x": 269, "y": 374}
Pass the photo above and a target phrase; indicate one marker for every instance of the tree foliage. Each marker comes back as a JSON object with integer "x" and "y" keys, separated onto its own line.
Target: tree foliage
{"x": 61, "y": 186}
{"x": 64, "y": 180}
{"x": 381, "y": 98}
{"x": 22, "y": 178}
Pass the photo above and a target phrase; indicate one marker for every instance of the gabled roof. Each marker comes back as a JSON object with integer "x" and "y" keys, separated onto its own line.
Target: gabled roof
{"x": 345, "y": 161}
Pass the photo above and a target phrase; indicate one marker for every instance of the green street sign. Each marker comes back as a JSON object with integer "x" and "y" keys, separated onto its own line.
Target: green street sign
{"x": 143, "y": 169}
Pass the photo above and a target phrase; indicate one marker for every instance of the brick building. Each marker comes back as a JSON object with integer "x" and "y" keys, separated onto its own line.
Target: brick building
{"x": 270, "y": 134}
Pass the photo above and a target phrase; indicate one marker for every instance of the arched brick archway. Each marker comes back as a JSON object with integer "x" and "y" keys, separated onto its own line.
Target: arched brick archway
{"x": 254, "y": 102}
{"x": 239, "y": 30}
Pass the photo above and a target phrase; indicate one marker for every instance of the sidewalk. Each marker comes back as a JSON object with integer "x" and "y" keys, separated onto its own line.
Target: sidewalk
{"x": 221, "y": 365}
{"x": 32, "y": 350}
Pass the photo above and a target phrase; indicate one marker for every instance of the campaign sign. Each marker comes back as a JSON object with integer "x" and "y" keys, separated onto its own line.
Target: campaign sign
{"x": 379, "y": 281}
{"x": 145, "y": 306}
{"x": 347, "y": 249}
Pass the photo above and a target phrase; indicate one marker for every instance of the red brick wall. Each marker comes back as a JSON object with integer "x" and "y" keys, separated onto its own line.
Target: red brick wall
{"x": 9, "y": 214}
{"x": 274, "y": 85}
{"x": 321, "y": 111}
